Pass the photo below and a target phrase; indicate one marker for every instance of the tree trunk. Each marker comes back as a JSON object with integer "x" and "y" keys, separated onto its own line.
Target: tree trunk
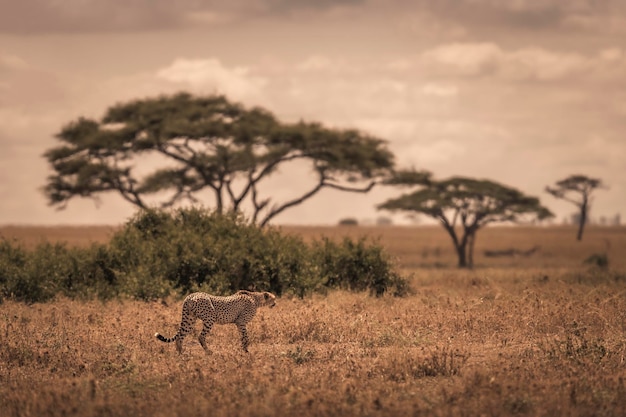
{"x": 470, "y": 249}
{"x": 582, "y": 220}
{"x": 460, "y": 251}
{"x": 459, "y": 246}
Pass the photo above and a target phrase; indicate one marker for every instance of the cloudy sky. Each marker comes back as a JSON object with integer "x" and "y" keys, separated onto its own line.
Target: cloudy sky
{"x": 525, "y": 92}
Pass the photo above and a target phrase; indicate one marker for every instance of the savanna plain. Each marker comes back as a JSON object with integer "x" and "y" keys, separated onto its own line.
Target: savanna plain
{"x": 531, "y": 330}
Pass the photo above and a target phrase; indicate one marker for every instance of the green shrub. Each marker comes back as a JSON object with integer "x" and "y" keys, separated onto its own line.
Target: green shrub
{"x": 357, "y": 266}
{"x": 14, "y": 278}
{"x": 141, "y": 284}
{"x": 192, "y": 249}
{"x": 51, "y": 269}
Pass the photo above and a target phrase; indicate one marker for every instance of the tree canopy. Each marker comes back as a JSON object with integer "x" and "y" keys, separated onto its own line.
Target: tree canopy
{"x": 201, "y": 144}
{"x": 577, "y": 189}
{"x": 468, "y": 204}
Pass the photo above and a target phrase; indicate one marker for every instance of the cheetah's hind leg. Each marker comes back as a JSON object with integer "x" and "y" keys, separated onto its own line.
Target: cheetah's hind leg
{"x": 206, "y": 329}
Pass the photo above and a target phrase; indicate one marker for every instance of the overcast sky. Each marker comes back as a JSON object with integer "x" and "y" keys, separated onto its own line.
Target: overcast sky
{"x": 525, "y": 92}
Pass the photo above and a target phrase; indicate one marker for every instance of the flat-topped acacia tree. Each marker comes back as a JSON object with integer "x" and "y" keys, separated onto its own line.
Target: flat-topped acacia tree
{"x": 207, "y": 148}
{"x": 463, "y": 206}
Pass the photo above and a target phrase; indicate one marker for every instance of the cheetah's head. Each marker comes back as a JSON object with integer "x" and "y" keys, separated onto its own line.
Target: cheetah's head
{"x": 269, "y": 299}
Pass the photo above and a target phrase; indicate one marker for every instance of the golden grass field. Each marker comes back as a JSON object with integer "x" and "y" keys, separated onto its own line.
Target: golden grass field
{"x": 536, "y": 335}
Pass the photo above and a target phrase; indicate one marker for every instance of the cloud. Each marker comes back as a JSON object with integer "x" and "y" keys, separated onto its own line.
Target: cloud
{"x": 524, "y": 64}
{"x": 596, "y": 150}
{"x": 448, "y": 18}
{"x": 48, "y": 16}
{"x": 469, "y": 59}
{"x": 9, "y": 62}
{"x": 80, "y": 16}
{"x": 540, "y": 64}
{"x": 20, "y": 82}
{"x": 316, "y": 63}
{"x": 211, "y": 76}
{"x": 318, "y": 5}
{"x": 439, "y": 90}
{"x": 443, "y": 145}
{"x": 32, "y": 98}
{"x": 611, "y": 24}
{"x": 528, "y": 14}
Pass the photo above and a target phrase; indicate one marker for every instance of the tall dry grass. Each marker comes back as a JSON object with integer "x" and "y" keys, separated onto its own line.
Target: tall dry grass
{"x": 538, "y": 335}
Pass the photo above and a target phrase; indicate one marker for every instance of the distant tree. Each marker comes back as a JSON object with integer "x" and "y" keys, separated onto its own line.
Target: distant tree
{"x": 464, "y": 205}
{"x": 384, "y": 221}
{"x": 173, "y": 148}
{"x": 577, "y": 190}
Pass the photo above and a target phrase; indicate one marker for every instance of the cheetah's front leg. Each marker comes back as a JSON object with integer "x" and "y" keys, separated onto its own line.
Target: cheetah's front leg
{"x": 244, "y": 336}
{"x": 206, "y": 329}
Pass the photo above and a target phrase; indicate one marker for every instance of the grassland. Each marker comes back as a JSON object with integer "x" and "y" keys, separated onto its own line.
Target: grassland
{"x": 537, "y": 333}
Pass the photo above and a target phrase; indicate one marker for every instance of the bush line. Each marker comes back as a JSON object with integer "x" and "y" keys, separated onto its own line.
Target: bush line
{"x": 159, "y": 252}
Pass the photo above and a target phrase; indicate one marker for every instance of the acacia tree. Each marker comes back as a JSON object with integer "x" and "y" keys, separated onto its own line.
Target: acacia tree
{"x": 582, "y": 187}
{"x": 205, "y": 144}
{"x": 464, "y": 205}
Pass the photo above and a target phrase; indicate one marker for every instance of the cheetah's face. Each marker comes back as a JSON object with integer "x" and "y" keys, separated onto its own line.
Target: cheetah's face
{"x": 269, "y": 299}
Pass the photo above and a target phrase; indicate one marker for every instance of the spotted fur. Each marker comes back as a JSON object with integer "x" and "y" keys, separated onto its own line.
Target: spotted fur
{"x": 238, "y": 308}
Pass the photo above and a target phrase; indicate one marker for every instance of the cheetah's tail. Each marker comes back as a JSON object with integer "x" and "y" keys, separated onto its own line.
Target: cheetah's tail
{"x": 166, "y": 339}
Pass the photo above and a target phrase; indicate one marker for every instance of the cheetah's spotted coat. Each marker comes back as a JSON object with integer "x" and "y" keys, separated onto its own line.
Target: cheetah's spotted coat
{"x": 238, "y": 308}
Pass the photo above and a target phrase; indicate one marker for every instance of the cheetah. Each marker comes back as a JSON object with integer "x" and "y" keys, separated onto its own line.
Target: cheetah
{"x": 238, "y": 308}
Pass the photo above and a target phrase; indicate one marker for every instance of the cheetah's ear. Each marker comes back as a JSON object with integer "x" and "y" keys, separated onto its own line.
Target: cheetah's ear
{"x": 266, "y": 295}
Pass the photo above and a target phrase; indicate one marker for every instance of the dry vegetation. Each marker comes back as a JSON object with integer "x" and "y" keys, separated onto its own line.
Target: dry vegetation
{"x": 527, "y": 335}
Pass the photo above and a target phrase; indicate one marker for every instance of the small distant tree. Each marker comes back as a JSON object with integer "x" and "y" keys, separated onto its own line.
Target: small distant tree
{"x": 348, "y": 221}
{"x": 577, "y": 190}
{"x": 463, "y": 206}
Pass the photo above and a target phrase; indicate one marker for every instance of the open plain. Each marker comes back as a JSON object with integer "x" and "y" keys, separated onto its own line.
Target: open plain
{"x": 531, "y": 330}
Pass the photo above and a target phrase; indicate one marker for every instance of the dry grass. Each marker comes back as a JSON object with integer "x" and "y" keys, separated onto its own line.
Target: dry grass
{"x": 414, "y": 247}
{"x": 30, "y": 236}
{"x": 537, "y": 335}
{"x": 430, "y": 246}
